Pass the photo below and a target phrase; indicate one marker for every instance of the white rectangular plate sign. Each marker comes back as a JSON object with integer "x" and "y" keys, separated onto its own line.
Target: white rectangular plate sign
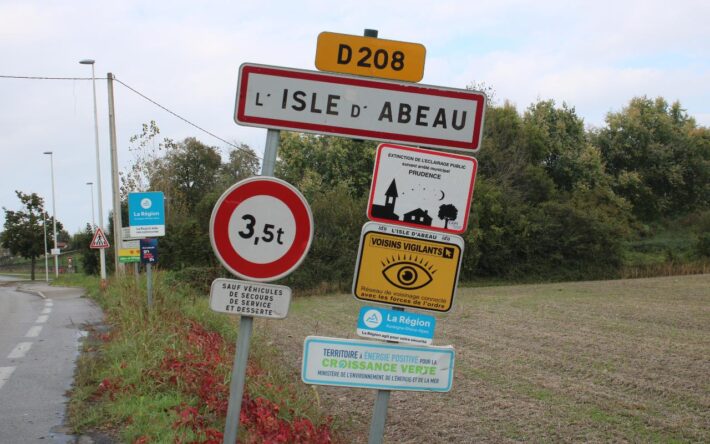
{"x": 360, "y": 107}
{"x": 422, "y": 188}
{"x": 376, "y": 365}
{"x": 250, "y": 298}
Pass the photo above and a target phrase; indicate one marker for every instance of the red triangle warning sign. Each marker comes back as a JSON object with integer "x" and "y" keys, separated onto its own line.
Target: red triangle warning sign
{"x": 99, "y": 240}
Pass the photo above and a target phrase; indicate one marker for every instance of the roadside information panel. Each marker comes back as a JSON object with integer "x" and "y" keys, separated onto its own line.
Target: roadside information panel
{"x": 407, "y": 267}
{"x": 395, "y": 325}
{"x": 146, "y": 214}
{"x": 370, "y": 56}
{"x": 129, "y": 252}
{"x": 359, "y": 107}
{"x": 249, "y": 298}
{"x": 375, "y": 365}
{"x": 421, "y": 188}
{"x": 149, "y": 251}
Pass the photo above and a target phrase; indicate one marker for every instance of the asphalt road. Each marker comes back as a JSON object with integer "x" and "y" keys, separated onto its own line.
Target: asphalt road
{"x": 6, "y": 278}
{"x": 39, "y": 344}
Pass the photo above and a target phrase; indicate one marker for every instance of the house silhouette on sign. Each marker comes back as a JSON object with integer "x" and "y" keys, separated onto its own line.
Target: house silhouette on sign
{"x": 386, "y": 211}
{"x": 419, "y": 217}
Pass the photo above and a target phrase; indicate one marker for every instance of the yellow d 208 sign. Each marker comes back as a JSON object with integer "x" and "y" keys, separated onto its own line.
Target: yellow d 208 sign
{"x": 407, "y": 267}
{"x": 370, "y": 56}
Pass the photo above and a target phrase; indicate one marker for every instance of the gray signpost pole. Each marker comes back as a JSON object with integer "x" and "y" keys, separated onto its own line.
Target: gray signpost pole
{"x": 149, "y": 284}
{"x": 239, "y": 368}
{"x": 379, "y": 414}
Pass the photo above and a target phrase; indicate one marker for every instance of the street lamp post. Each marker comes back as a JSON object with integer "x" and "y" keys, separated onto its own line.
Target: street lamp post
{"x": 93, "y": 221}
{"x": 102, "y": 251}
{"x": 46, "y": 265}
{"x": 54, "y": 216}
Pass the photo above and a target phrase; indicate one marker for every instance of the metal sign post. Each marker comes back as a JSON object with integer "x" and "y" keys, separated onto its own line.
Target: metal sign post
{"x": 149, "y": 284}
{"x": 239, "y": 368}
{"x": 379, "y": 412}
{"x": 149, "y": 256}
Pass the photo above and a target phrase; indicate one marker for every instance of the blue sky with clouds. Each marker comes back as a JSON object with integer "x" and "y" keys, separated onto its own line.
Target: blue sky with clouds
{"x": 594, "y": 55}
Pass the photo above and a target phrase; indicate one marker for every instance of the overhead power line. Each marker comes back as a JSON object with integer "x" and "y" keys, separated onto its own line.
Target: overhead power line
{"x": 175, "y": 114}
{"x": 49, "y": 78}
{"x": 135, "y": 91}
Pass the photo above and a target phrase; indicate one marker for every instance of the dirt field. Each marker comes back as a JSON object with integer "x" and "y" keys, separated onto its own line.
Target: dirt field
{"x": 625, "y": 360}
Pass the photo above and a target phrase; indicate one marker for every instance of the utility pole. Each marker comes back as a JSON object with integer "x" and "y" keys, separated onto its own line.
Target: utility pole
{"x": 117, "y": 222}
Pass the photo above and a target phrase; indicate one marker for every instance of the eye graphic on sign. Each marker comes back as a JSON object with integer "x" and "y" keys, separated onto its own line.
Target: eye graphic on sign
{"x": 407, "y": 275}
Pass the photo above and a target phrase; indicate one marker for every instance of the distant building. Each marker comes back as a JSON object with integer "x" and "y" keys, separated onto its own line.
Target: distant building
{"x": 418, "y": 216}
{"x": 386, "y": 211}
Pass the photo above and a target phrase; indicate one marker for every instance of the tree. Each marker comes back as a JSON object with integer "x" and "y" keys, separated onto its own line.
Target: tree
{"x": 658, "y": 157}
{"x": 147, "y": 154}
{"x": 335, "y": 160}
{"x": 23, "y": 233}
{"x": 188, "y": 171}
{"x": 243, "y": 163}
{"x": 555, "y": 140}
{"x": 448, "y": 213}
{"x": 89, "y": 257}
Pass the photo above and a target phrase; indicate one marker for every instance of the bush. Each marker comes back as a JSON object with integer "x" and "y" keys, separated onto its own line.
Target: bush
{"x": 702, "y": 246}
{"x": 574, "y": 236}
{"x": 338, "y": 219}
{"x": 198, "y": 278}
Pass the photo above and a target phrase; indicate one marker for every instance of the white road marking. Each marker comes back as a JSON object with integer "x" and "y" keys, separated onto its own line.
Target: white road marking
{"x": 33, "y": 332}
{"x": 5, "y": 373}
{"x": 20, "y": 350}
{"x": 41, "y": 319}
{"x": 49, "y": 304}
{"x": 46, "y": 311}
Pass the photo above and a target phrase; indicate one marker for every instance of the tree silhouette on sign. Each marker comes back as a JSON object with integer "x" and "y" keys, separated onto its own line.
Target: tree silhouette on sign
{"x": 448, "y": 212}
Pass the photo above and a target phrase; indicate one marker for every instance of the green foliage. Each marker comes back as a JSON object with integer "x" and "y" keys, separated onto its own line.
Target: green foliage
{"x": 552, "y": 200}
{"x": 702, "y": 246}
{"x": 192, "y": 176}
{"x": 89, "y": 257}
{"x": 335, "y": 160}
{"x": 338, "y": 219}
{"x": 199, "y": 278}
{"x": 242, "y": 163}
{"x": 146, "y": 368}
{"x": 188, "y": 171}
{"x": 24, "y": 231}
{"x": 658, "y": 157}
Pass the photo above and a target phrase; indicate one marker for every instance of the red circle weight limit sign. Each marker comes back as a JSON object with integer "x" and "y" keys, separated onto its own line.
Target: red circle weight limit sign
{"x": 261, "y": 228}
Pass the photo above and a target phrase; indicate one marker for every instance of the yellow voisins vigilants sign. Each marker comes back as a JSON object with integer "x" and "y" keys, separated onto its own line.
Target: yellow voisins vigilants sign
{"x": 407, "y": 268}
{"x": 370, "y": 56}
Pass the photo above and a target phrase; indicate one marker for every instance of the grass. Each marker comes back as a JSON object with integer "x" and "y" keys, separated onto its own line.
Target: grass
{"x": 122, "y": 385}
{"x": 623, "y": 360}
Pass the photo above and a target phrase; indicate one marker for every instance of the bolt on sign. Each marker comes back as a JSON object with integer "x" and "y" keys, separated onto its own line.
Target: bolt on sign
{"x": 261, "y": 228}
{"x": 249, "y": 298}
{"x": 377, "y": 365}
{"x": 359, "y": 107}
{"x": 370, "y": 56}
{"x": 129, "y": 252}
{"x": 421, "y": 188}
{"x": 406, "y": 267}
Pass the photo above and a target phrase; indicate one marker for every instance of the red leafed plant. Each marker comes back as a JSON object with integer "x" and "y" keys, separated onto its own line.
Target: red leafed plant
{"x": 201, "y": 372}
{"x": 110, "y": 387}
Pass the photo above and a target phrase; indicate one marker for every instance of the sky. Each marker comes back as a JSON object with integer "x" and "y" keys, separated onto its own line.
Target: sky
{"x": 185, "y": 55}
